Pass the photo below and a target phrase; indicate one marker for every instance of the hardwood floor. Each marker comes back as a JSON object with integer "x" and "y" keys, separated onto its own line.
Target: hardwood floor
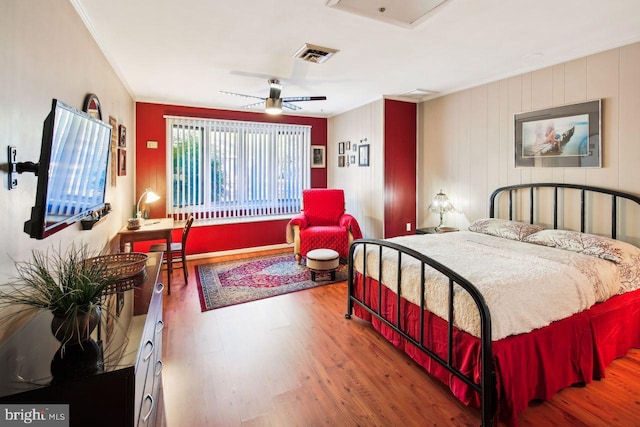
{"x": 294, "y": 360}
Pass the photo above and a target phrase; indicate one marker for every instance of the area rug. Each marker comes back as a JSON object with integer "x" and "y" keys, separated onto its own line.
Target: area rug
{"x": 236, "y": 282}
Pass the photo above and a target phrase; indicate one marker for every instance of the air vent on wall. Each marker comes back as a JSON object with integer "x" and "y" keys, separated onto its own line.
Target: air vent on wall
{"x": 316, "y": 54}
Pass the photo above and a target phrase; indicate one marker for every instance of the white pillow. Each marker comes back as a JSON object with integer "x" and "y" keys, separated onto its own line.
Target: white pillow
{"x": 588, "y": 244}
{"x": 513, "y": 230}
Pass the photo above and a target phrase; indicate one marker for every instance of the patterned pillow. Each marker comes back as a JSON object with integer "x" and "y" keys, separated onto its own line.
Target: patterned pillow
{"x": 588, "y": 244}
{"x": 513, "y": 230}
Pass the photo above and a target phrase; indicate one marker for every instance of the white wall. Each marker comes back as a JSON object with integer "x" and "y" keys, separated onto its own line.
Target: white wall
{"x": 363, "y": 186}
{"x": 466, "y": 139}
{"x": 47, "y": 53}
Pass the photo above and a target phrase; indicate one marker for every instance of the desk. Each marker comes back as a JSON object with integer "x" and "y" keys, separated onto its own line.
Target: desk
{"x": 152, "y": 229}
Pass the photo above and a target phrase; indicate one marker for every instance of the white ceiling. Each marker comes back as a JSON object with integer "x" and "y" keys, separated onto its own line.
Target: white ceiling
{"x": 185, "y": 51}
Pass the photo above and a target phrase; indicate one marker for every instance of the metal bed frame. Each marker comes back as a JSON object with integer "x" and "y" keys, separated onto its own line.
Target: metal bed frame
{"x": 486, "y": 387}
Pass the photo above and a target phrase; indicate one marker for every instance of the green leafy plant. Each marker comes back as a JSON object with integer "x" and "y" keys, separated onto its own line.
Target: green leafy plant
{"x": 63, "y": 282}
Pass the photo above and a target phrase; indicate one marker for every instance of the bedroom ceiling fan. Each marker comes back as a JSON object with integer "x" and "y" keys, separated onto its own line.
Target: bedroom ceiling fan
{"x": 274, "y": 103}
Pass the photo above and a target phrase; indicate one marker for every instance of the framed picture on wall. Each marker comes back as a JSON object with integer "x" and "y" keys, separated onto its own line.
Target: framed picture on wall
{"x": 318, "y": 156}
{"x": 122, "y": 136}
{"x": 122, "y": 162}
{"x": 114, "y": 149}
{"x": 340, "y": 147}
{"x": 566, "y": 136}
{"x": 341, "y": 161}
{"x": 363, "y": 155}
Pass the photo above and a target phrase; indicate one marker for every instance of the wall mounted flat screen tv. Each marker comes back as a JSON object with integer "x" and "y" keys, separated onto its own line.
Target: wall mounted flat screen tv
{"x": 72, "y": 171}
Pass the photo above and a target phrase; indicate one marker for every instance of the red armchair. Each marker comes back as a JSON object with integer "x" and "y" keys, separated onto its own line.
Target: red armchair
{"x": 322, "y": 223}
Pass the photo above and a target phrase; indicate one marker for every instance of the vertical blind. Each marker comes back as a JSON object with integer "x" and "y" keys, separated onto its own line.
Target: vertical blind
{"x": 236, "y": 169}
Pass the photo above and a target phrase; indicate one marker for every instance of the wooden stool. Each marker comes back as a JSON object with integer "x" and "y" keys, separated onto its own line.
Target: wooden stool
{"x": 323, "y": 261}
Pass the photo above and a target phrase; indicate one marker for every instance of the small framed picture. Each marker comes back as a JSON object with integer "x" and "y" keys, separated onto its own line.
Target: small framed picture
{"x": 340, "y": 147}
{"x": 348, "y": 146}
{"x": 122, "y": 162}
{"x": 341, "y": 161}
{"x": 318, "y": 156}
{"x": 363, "y": 155}
{"x": 114, "y": 149}
{"x": 353, "y": 159}
{"x": 354, "y": 147}
{"x": 122, "y": 136}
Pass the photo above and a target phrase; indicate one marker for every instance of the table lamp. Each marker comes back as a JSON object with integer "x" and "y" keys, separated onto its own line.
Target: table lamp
{"x": 441, "y": 205}
{"x": 149, "y": 197}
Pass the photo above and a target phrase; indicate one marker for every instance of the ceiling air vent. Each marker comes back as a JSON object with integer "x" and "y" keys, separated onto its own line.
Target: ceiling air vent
{"x": 316, "y": 54}
{"x": 416, "y": 95}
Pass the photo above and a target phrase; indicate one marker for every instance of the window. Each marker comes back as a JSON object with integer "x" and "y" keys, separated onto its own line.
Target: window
{"x": 234, "y": 169}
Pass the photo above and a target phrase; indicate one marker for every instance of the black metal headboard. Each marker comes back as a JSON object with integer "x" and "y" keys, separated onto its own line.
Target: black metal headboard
{"x": 583, "y": 189}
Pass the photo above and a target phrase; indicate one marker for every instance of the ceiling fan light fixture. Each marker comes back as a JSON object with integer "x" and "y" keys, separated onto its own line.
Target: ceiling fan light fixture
{"x": 273, "y": 106}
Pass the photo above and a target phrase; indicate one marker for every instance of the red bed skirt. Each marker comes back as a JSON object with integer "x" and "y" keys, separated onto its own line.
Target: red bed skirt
{"x": 529, "y": 366}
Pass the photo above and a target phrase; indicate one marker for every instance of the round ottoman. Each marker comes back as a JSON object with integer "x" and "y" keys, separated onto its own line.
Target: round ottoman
{"x": 322, "y": 261}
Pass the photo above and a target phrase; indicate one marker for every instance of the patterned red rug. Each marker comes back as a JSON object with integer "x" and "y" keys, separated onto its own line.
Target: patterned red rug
{"x": 235, "y": 282}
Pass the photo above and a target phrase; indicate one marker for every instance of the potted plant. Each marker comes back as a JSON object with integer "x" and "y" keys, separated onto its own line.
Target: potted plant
{"x": 67, "y": 284}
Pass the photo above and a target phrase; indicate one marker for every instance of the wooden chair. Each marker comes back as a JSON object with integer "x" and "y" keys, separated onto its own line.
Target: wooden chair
{"x": 178, "y": 250}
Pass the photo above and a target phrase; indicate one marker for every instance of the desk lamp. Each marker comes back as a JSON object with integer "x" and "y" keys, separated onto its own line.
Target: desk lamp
{"x": 150, "y": 198}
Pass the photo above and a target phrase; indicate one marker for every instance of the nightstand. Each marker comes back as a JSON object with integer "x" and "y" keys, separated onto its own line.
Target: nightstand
{"x": 432, "y": 230}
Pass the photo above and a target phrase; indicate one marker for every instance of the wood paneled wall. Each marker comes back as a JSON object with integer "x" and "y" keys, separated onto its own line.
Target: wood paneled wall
{"x": 364, "y": 186}
{"x": 466, "y": 139}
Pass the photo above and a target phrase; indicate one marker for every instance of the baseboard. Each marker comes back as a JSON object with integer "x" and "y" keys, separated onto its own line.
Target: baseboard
{"x": 240, "y": 251}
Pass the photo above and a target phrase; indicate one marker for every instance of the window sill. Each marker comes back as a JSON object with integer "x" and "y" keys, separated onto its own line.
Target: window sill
{"x": 223, "y": 221}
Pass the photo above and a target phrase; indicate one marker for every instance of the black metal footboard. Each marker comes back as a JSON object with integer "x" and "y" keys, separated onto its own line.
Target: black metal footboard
{"x": 486, "y": 388}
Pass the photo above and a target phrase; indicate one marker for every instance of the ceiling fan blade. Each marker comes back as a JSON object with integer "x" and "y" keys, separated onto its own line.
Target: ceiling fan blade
{"x": 304, "y": 98}
{"x": 255, "y": 104}
{"x": 240, "y": 94}
{"x": 290, "y": 106}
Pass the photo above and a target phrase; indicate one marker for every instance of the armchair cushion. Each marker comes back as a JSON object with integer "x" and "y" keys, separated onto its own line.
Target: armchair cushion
{"x": 323, "y": 207}
{"x": 326, "y": 236}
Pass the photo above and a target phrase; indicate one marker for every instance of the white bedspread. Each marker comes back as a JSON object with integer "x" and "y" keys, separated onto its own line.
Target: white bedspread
{"x": 525, "y": 286}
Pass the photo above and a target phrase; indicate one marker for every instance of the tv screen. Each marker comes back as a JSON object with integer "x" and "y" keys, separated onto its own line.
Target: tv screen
{"x": 72, "y": 171}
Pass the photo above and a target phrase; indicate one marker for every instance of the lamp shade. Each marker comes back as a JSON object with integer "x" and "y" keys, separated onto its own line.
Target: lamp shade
{"x": 149, "y": 197}
{"x": 273, "y": 106}
{"x": 441, "y": 204}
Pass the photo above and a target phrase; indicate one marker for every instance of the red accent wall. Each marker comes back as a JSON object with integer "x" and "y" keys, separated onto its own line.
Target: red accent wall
{"x": 151, "y": 172}
{"x": 400, "y": 133}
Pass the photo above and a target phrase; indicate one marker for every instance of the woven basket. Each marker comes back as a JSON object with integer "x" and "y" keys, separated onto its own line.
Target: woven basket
{"x": 126, "y": 283}
{"x": 128, "y": 267}
{"x": 122, "y": 265}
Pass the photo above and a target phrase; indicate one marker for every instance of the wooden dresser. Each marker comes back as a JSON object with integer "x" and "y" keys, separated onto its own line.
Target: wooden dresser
{"x": 121, "y": 386}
